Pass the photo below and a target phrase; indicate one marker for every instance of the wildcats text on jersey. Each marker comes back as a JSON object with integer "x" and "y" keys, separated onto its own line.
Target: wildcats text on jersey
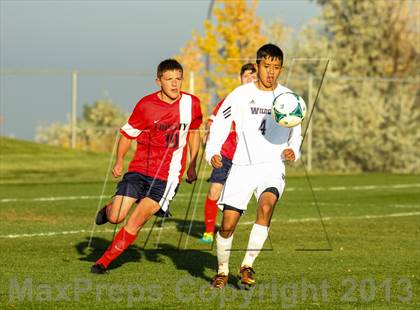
{"x": 256, "y": 110}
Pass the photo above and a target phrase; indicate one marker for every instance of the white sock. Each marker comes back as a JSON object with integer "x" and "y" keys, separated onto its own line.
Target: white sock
{"x": 223, "y": 253}
{"x": 256, "y": 241}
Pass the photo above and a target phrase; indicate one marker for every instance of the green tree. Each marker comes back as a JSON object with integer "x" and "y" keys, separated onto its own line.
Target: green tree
{"x": 366, "y": 124}
{"x": 96, "y": 130}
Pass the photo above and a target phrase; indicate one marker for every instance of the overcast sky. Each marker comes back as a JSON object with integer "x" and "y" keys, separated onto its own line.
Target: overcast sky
{"x": 97, "y": 35}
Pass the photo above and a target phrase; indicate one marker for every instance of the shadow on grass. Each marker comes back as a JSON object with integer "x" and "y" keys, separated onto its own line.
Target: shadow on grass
{"x": 192, "y": 228}
{"x": 193, "y": 261}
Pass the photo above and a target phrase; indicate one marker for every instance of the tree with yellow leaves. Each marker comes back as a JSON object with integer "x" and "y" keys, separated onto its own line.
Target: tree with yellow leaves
{"x": 229, "y": 42}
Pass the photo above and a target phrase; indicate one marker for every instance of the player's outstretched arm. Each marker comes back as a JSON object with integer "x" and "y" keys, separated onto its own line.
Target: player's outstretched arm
{"x": 292, "y": 152}
{"x": 122, "y": 149}
{"x": 194, "y": 146}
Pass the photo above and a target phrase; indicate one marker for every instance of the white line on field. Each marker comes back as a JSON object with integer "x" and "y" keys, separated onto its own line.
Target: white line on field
{"x": 364, "y": 187}
{"x": 405, "y": 206}
{"x": 52, "y": 198}
{"x": 302, "y": 220}
{"x": 290, "y": 189}
{"x": 340, "y": 204}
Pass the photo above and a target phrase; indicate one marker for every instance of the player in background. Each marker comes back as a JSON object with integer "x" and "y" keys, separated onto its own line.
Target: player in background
{"x": 258, "y": 163}
{"x": 219, "y": 175}
{"x": 163, "y": 123}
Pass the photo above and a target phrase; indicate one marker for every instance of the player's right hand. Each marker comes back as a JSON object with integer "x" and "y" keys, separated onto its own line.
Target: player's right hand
{"x": 216, "y": 161}
{"x": 289, "y": 155}
{"x": 117, "y": 170}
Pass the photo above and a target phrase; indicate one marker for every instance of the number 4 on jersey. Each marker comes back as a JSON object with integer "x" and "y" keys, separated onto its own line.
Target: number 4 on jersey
{"x": 262, "y": 127}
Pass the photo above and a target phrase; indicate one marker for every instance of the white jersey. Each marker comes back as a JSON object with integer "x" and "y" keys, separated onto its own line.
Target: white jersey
{"x": 260, "y": 138}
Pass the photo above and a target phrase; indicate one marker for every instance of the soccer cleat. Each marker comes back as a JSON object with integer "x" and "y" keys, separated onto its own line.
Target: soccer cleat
{"x": 207, "y": 237}
{"x": 246, "y": 276}
{"x": 101, "y": 217}
{"x": 98, "y": 269}
{"x": 219, "y": 281}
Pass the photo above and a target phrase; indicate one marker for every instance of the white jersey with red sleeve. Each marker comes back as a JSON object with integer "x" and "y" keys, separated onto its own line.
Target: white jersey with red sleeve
{"x": 229, "y": 147}
{"x": 260, "y": 138}
{"x": 216, "y": 109}
{"x": 161, "y": 130}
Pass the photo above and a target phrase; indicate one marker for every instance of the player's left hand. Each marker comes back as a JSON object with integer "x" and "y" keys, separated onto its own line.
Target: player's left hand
{"x": 191, "y": 175}
{"x": 289, "y": 155}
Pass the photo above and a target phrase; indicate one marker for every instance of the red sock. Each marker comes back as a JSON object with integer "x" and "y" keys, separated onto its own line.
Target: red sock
{"x": 210, "y": 214}
{"x": 121, "y": 241}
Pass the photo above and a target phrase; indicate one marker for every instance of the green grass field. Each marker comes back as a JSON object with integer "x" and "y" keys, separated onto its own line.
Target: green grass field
{"x": 367, "y": 257}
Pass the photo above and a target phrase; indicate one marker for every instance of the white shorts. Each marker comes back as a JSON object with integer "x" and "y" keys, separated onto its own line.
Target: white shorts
{"x": 243, "y": 181}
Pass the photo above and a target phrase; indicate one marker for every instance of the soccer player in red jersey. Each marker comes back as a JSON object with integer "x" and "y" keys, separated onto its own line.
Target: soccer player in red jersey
{"x": 219, "y": 175}
{"x": 163, "y": 123}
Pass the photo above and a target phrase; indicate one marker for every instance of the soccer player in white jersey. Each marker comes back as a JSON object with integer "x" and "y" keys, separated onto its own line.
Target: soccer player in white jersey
{"x": 258, "y": 164}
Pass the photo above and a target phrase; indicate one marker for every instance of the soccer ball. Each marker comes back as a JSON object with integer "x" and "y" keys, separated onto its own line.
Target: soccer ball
{"x": 288, "y": 109}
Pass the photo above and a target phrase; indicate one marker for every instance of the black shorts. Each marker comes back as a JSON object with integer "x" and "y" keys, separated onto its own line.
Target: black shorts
{"x": 219, "y": 175}
{"x": 139, "y": 186}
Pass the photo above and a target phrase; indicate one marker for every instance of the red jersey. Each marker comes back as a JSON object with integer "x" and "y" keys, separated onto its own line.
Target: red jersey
{"x": 161, "y": 130}
{"x": 229, "y": 147}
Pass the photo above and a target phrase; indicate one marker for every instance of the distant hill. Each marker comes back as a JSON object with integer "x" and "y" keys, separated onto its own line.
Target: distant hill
{"x": 30, "y": 162}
